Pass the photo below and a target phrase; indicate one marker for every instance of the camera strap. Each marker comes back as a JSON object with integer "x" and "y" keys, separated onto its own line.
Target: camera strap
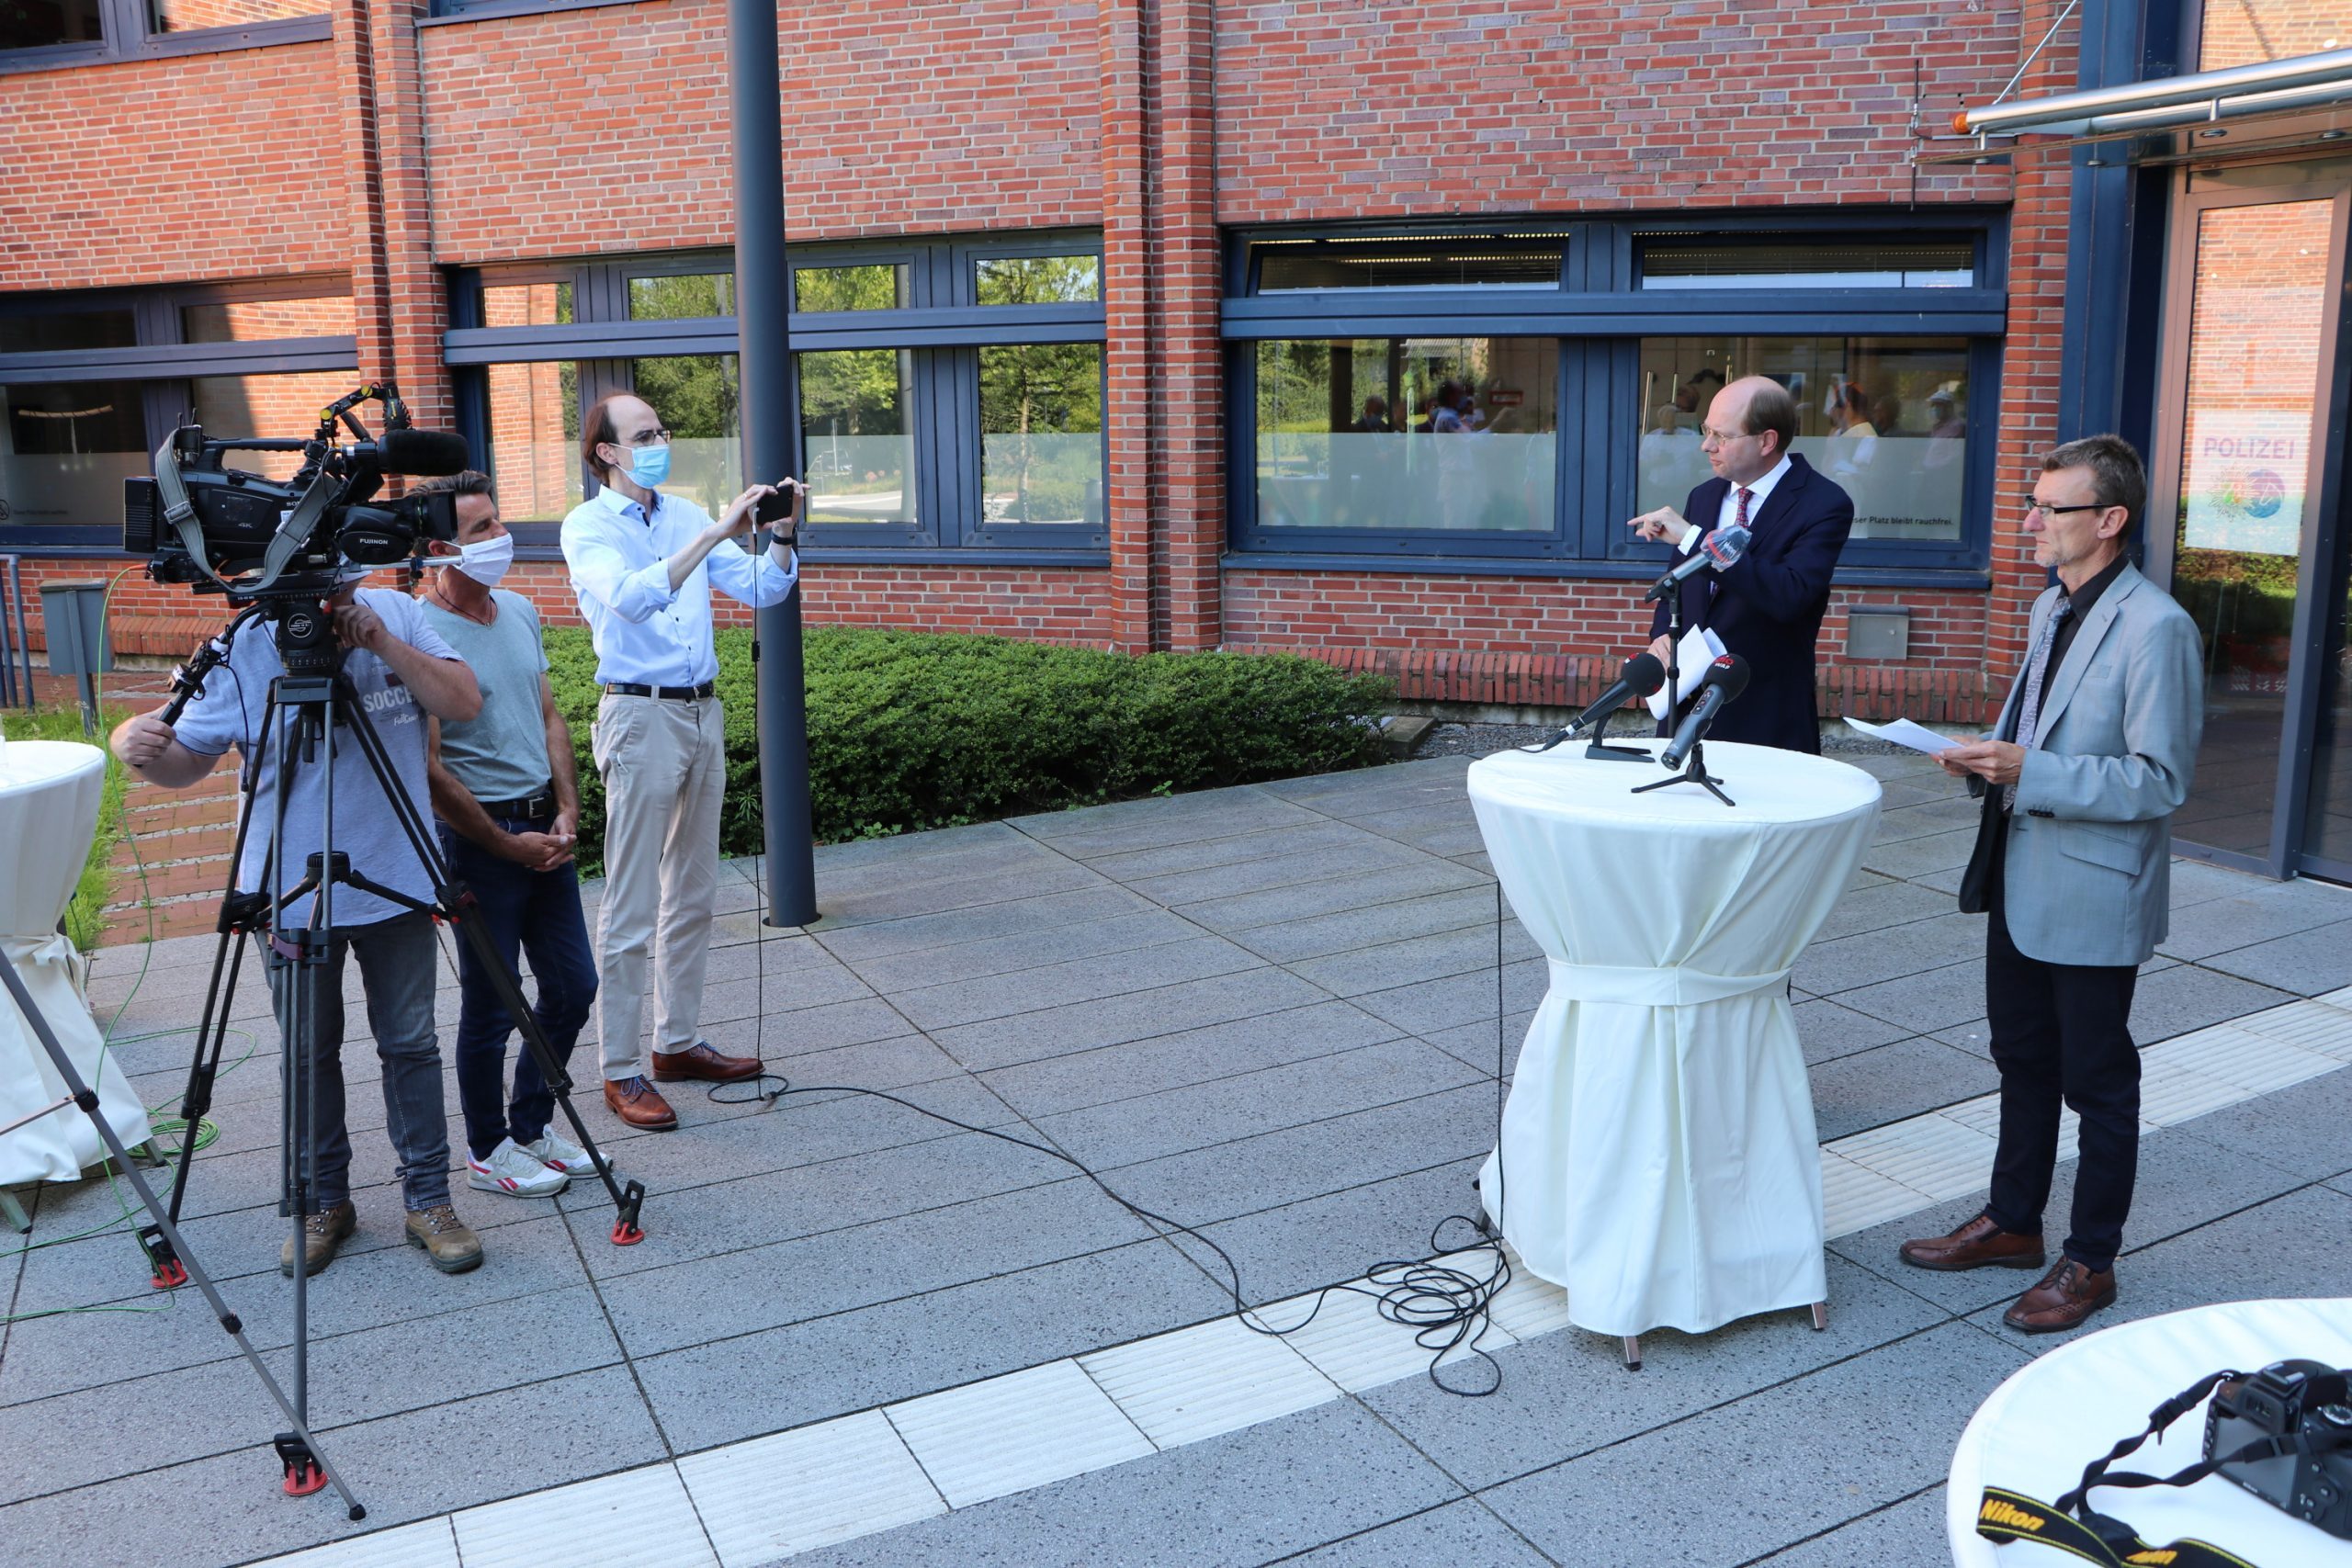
{"x": 293, "y": 535}
{"x": 2073, "y": 1526}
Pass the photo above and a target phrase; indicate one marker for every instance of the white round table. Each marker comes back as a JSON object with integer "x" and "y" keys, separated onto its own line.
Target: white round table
{"x": 50, "y": 793}
{"x": 1659, "y": 1157}
{"x": 2057, "y": 1413}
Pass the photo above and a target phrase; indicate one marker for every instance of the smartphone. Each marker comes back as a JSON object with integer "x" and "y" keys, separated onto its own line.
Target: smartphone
{"x": 774, "y": 510}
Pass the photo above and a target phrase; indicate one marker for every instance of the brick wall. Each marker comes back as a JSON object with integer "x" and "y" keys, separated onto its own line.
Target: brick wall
{"x": 2247, "y": 32}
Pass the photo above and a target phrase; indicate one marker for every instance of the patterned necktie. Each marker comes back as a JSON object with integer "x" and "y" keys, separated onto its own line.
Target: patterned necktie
{"x": 2037, "y": 672}
{"x": 1746, "y": 495}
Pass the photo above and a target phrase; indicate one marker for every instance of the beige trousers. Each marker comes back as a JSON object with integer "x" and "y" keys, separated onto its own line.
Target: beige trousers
{"x": 664, "y": 767}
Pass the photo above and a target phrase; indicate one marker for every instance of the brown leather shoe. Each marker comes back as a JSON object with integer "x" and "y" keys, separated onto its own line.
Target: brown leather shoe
{"x": 639, "y": 1104}
{"x": 2067, "y": 1295}
{"x": 323, "y": 1235}
{"x": 1979, "y": 1244}
{"x": 699, "y": 1061}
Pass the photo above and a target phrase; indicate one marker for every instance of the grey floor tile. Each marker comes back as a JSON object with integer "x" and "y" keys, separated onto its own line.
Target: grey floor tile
{"x": 2189, "y": 997}
{"x": 1434, "y": 1005}
{"x": 910, "y": 896}
{"x": 1940, "y": 814}
{"x": 1283, "y": 869}
{"x": 1880, "y": 906}
{"x": 1281, "y": 1487}
{"x": 1829, "y": 1030}
{"x": 2198, "y": 932}
{"x": 916, "y": 933}
{"x": 1888, "y": 1083}
{"x": 1434, "y": 830}
{"x": 1188, "y": 1056}
{"x": 2306, "y": 963}
{"x": 1927, "y": 1002}
{"x": 1893, "y": 1415}
{"x": 897, "y": 972}
{"x": 1914, "y": 858}
{"x": 2305, "y": 1128}
{"x": 1347, "y": 930}
{"x": 901, "y": 1349}
{"x": 1312, "y": 833}
{"x": 1466, "y": 952}
{"x": 2197, "y": 882}
{"x": 1479, "y": 1043}
{"x": 1092, "y": 978}
{"x": 1305, "y": 1245}
{"x": 855, "y": 854}
{"x": 1828, "y": 968}
{"x": 1909, "y": 1531}
{"x": 1975, "y": 1037}
{"x": 1125, "y": 826}
{"x": 1351, "y": 893}
{"x": 1085, "y": 1026}
{"x": 1568, "y": 1393}
{"x": 1464, "y": 1532}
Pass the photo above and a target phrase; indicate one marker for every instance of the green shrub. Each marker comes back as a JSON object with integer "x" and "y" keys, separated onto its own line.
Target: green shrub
{"x": 915, "y": 729}
{"x": 86, "y": 916}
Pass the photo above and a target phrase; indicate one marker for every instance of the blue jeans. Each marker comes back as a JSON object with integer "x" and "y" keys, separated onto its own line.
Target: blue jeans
{"x": 396, "y": 973}
{"x": 528, "y": 912}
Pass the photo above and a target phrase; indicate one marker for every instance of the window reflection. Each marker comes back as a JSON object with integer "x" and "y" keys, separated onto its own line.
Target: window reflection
{"x": 275, "y": 407}
{"x": 1041, "y": 433}
{"x": 856, "y": 435}
{"x": 700, "y": 399}
{"x": 65, "y": 448}
{"x": 535, "y": 439}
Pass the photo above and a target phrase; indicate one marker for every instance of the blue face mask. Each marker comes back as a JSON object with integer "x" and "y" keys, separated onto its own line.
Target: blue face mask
{"x": 649, "y": 465}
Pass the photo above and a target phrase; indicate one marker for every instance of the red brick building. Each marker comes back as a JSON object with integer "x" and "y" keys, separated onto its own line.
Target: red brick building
{"x": 1343, "y": 326}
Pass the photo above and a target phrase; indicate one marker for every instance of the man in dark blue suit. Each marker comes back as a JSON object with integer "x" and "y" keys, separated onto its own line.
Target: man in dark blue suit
{"x": 1768, "y": 607}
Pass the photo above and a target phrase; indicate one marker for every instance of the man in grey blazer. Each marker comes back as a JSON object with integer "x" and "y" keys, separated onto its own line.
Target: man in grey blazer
{"x": 2091, "y": 758}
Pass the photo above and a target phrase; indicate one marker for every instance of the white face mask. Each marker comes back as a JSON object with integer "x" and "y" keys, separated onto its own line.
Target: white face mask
{"x": 484, "y": 560}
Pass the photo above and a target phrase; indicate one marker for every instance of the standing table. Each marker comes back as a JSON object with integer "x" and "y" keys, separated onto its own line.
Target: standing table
{"x": 48, "y": 812}
{"x": 1658, "y": 1155}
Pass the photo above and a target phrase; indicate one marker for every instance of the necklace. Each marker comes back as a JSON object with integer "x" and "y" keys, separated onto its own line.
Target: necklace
{"x": 441, "y": 597}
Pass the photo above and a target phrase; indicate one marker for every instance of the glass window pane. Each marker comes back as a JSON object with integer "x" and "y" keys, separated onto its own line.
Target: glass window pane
{"x": 51, "y": 331}
{"x": 882, "y": 287}
{"x": 31, "y": 24}
{"x": 275, "y": 407}
{"x": 1859, "y": 262}
{"x": 65, "y": 448}
{"x": 1886, "y": 418}
{"x": 1409, "y": 261}
{"x": 1041, "y": 433}
{"x": 249, "y": 320}
{"x": 526, "y": 305}
{"x": 535, "y": 439}
{"x": 2250, "y": 32}
{"x": 682, "y": 299}
{"x": 699, "y": 398}
{"x": 1409, "y": 433}
{"x": 188, "y": 16}
{"x": 1038, "y": 281}
{"x": 855, "y": 406}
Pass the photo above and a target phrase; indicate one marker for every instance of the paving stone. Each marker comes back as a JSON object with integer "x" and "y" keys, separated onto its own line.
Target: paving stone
{"x": 1351, "y": 893}
{"x": 1280, "y": 869}
{"x": 897, "y": 972}
{"x": 1189, "y": 1056}
{"x": 1889, "y": 1083}
{"x": 1285, "y": 1251}
{"x": 1829, "y": 1030}
{"x": 1828, "y": 968}
{"x": 1893, "y": 1415}
{"x": 1464, "y": 1532}
{"x": 1084, "y": 1026}
{"x": 1432, "y": 1004}
{"x": 2177, "y": 1001}
{"x": 1909, "y": 1531}
{"x": 915, "y": 933}
{"x": 2200, "y": 930}
{"x": 970, "y": 860}
{"x": 1319, "y": 935}
{"x": 1475, "y": 1043}
{"x": 1087, "y": 979}
{"x": 1926, "y": 1003}
{"x": 1310, "y": 833}
{"x": 1940, "y": 814}
{"x": 1436, "y": 831}
{"x": 910, "y": 895}
{"x": 1125, "y": 826}
{"x": 2196, "y": 882}
{"x": 2306, "y": 1129}
{"x": 1880, "y": 906}
{"x": 1914, "y": 859}
{"x": 1466, "y": 952}
{"x": 2308, "y": 963}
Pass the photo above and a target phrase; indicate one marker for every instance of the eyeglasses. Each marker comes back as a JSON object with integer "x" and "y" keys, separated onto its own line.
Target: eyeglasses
{"x": 1707, "y": 433}
{"x": 654, "y": 437}
{"x": 2032, "y": 506}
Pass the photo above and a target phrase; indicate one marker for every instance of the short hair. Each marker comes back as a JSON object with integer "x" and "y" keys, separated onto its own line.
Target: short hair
{"x": 598, "y": 430}
{"x": 1770, "y": 406}
{"x": 2117, "y": 474}
{"x": 467, "y": 482}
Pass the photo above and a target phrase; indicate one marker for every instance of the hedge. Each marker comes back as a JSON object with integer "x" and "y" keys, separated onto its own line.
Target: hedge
{"x": 910, "y": 730}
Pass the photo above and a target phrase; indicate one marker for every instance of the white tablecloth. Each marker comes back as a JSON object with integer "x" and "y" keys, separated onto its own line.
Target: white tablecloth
{"x": 48, "y": 812}
{"x": 1659, "y": 1157}
{"x": 2056, "y": 1414}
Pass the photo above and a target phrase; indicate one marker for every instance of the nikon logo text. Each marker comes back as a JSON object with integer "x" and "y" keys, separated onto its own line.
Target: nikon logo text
{"x": 1996, "y": 1512}
{"x": 2156, "y": 1556}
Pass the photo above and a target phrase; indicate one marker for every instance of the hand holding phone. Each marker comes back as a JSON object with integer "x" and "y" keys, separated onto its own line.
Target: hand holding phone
{"x": 780, "y": 511}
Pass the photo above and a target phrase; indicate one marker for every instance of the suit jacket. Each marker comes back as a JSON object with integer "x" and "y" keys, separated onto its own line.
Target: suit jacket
{"x": 2085, "y": 855}
{"x": 1767, "y": 608}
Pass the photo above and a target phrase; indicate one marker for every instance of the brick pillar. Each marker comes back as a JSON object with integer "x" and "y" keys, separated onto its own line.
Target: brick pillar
{"x": 1127, "y": 276}
{"x": 2029, "y": 361}
{"x": 397, "y": 294}
{"x": 1189, "y": 504}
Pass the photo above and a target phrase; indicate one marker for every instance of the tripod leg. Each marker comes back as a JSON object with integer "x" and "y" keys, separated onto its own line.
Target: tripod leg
{"x": 84, "y": 1096}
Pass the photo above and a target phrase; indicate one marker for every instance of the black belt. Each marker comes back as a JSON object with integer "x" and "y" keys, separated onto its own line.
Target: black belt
{"x": 675, "y": 693}
{"x": 531, "y": 807}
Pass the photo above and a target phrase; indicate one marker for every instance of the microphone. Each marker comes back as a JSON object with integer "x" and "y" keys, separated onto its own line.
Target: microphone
{"x": 424, "y": 452}
{"x": 1726, "y": 678}
{"x": 1642, "y": 675}
{"x": 1720, "y": 549}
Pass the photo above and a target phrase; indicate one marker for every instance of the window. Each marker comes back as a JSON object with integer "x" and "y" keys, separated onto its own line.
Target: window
{"x": 41, "y": 34}
{"x": 949, "y": 392}
{"x": 91, "y": 384}
{"x": 2253, "y": 32}
{"x": 1492, "y": 396}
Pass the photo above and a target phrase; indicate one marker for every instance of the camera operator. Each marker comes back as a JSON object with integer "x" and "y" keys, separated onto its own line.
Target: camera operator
{"x": 401, "y": 671}
{"x": 643, "y": 564}
{"x": 508, "y": 796}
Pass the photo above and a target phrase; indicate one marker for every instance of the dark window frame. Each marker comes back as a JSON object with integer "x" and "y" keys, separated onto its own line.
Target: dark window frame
{"x": 1599, "y": 317}
{"x": 164, "y": 364}
{"x": 128, "y": 38}
{"x": 942, "y": 327}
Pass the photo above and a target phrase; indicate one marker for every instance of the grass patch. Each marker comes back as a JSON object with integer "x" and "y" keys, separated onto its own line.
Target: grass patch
{"x": 86, "y": 916}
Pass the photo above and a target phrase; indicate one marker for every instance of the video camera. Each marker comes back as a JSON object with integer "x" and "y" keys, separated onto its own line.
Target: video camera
{"x": 223, "y": 530}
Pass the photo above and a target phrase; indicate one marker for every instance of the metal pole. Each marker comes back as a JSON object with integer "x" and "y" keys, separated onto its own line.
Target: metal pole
{"x": 763, "y": 307}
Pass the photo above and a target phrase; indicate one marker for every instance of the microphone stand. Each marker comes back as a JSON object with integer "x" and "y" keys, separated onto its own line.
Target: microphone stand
{"x": 1694, "y": 768}
{"x": 1694, "y": 771}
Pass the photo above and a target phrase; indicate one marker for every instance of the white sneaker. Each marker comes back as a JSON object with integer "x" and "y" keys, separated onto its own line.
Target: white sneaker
{"x": 511, "y": 1170}
{"x": 558, "y": 1153}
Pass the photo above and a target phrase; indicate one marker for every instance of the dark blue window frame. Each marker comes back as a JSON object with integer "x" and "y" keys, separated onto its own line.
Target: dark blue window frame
{"x": 1599, "y": 315}
{"x": 163, "y": 363}
{"x": 943, "y": 327}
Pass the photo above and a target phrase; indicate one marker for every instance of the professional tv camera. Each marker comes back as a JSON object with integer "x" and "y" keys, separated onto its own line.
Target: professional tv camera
{"x": 222, "y": 530}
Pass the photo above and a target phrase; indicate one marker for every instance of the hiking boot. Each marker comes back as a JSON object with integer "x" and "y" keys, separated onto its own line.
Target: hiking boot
{"x": 323, "y": 1235}
{"x": 447, "y": 1242}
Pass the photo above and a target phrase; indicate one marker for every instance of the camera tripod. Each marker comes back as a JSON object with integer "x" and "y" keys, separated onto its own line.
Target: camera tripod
{"x": 306, "y": 707}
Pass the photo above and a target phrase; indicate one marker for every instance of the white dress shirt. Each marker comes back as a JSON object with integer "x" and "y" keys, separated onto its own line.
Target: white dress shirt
{"x": 645, "y": 631}
{"x": 1729, "y": 511}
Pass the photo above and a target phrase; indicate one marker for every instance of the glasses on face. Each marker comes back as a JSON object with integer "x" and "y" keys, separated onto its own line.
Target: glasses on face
{"x": 654, "y": 437}
{"x": 1709, "y": 436}
{"x": 2033, "y": 505}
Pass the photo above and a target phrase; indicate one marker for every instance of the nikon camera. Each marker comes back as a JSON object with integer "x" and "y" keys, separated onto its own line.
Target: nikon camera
{"x": 2289, "y": 1399}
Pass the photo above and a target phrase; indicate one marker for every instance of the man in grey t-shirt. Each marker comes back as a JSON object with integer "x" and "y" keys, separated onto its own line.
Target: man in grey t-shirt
{"x": 508, "y": 796}
{"x": 401, "y": 674}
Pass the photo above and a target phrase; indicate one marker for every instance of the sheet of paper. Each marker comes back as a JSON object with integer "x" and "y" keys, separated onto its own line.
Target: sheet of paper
{"x": 1701, "y": 648}
{"x": 1903, "y": 732}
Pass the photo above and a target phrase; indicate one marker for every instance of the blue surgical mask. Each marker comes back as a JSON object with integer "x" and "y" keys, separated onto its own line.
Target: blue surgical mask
{"x": 649, "y": 465}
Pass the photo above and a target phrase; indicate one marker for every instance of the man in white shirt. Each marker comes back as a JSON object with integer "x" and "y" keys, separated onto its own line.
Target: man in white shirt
{"x": 643, "y": 564}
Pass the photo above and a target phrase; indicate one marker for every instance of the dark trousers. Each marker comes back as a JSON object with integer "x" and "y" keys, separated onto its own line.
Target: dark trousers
{"x": 533, "y": 913}
{"x": 2061, "y": 1034}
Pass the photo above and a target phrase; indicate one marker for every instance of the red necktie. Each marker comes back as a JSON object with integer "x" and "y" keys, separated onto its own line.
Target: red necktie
{"x": 1745, "y": 496}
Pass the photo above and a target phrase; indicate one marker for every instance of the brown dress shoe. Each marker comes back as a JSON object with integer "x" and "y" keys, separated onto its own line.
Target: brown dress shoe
{"x": 1979, "y": 1244}
{"x": 2067, "y": 1295}
{"x": 699, "y": 1061}
{"x": 639, "y": 1104}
